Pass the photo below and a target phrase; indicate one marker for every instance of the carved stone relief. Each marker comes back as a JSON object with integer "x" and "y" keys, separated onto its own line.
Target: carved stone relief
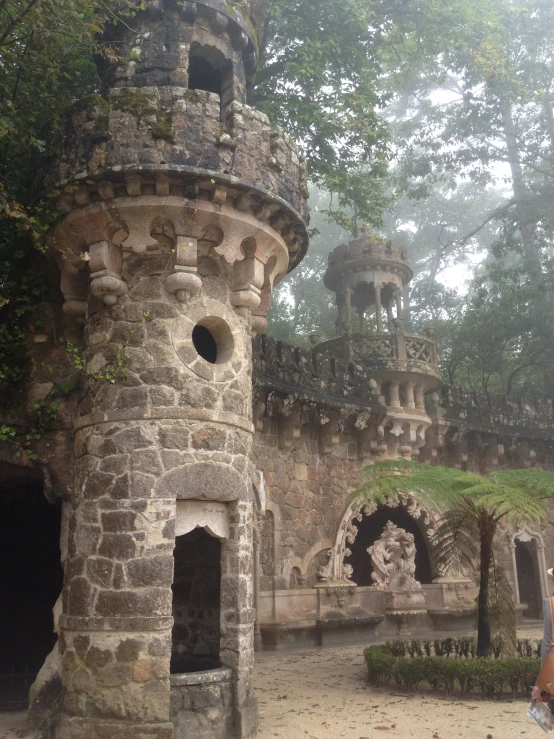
{"x": 393, "y": 560}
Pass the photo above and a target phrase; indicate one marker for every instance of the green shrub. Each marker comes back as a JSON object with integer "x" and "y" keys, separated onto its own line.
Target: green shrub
{"x": 490, "y": 675}
{"x": 379, "y": 665}
{"x": 415, "y": 648}
{"x": 409, "y": 672}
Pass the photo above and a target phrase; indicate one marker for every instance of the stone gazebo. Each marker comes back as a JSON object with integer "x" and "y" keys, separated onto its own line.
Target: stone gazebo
{"x": 368, "y": 275}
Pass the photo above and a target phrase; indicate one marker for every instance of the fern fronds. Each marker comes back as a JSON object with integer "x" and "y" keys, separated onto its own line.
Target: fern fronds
{"x": 455, "y": 544}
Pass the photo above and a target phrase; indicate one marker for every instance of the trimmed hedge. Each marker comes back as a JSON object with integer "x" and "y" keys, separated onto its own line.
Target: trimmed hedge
{"x": 491, "y": 676}
{"x": 464, "y": 646}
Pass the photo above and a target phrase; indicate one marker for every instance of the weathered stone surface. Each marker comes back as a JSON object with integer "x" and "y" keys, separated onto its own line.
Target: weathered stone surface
{"x": 202, "y": 481}
{"x": 128, "y": 650}
{"x": 118, "y": 521}
{"x": 79, "y": 599}
{"x": 149, "y": 571}
{"x": 117, "y": 546}
{"x": 152, "y": 602}
{"x": 211, "y": 438}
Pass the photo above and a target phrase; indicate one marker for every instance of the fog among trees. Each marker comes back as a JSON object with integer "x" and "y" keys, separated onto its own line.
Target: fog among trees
{"x": 431, "y": 123}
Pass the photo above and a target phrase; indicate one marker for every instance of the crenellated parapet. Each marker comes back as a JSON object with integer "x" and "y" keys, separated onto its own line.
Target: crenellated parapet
{"x": 172, "y": 141}
{"x": 499, "y": 414}
{"x": 464, "y": 427}
{"x": 311, "y": 376}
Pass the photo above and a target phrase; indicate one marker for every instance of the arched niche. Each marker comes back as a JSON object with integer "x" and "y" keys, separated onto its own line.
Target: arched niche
{"x": 201, "y": 530}
{"x": 365, "y": 522}
{"x": 370, "y": 529}
{"x": 529, "y": 568}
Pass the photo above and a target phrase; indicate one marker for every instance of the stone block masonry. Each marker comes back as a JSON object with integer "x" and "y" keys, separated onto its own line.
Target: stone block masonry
{"x": 182, "y": 208}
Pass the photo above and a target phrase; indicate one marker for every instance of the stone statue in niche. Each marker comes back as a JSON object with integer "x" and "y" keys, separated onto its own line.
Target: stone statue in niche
{"x": 325, "y": 572}
{"x": 393, "y": 560}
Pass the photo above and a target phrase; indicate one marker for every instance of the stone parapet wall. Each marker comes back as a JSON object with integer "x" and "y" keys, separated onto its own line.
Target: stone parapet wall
{"x": 284, "y": 368}
{"x": 498, "y": 414}
{"x": 172, "y": 141}
{"x": 334, "y": 381}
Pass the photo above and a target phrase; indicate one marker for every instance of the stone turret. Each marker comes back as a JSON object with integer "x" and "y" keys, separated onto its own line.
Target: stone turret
{"x": 368, "y": 275}
{"x": 182, "y": 208}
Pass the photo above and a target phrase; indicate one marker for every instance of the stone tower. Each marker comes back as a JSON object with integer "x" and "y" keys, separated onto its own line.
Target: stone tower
{"x": 182, "y": 207}
{"x": 368, "y": 275}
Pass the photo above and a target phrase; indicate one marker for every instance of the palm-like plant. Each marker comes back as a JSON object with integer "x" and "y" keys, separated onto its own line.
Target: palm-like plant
{"x": 473, "y": 507}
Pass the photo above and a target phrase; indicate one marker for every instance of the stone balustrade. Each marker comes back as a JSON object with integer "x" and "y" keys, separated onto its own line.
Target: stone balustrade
{"x": 498, "y": 413}
{"x": 329, "y": 379}
{"x": 391, "y": 351}
{"x": 305, "y": 374}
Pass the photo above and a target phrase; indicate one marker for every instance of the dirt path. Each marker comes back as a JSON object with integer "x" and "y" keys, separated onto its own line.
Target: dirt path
{"x": 323, "y": 694}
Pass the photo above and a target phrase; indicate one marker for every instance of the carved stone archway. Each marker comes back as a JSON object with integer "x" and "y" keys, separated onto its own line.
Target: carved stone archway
{"x": 528, "y": 536}
{"x": 337, "y": 571}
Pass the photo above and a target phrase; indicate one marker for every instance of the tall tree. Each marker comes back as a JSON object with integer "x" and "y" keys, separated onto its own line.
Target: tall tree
{"x": 317, "y": 77}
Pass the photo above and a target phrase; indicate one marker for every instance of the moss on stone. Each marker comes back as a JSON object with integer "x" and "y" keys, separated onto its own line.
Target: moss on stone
{"x": 90, "y": 101}
{"x": 191, "y": 96}
{"x": 135, "y": 102}
{"x": 163, "y": 129}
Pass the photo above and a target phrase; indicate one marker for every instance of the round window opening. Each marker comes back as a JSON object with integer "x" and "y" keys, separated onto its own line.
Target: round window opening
{"x": 213, "y": 340}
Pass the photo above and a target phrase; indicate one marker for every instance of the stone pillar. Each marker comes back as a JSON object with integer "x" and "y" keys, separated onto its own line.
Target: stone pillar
{"x": 348, "y": 306}
{"x": 419, "y": 398}
{"x": 378, "y": 314}
{"x": 394, "y": 391}
{"x": 410, "y": 398}
{"x": 389, "y": 318}
{"x": 398, "y": 301}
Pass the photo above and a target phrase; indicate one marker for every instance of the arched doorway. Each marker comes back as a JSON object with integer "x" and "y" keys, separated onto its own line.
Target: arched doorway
{"x": 370, "y": 529}
{"x": 196, "y": 603}
{"x": 528, "y": 577}
{"x": 31, "y": 579}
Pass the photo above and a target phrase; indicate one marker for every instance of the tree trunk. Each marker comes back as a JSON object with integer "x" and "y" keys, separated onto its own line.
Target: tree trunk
{"x": 526, "y": 223}
{"x": 483, "y": 622}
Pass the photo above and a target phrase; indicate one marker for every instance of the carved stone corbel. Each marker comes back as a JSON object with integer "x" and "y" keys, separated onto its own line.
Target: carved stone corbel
{"x": 248, "y": 280}
{"x": 328, "y": 435}
{"x": 74, "y": 287}
{"x": 289, "y": 428}
{"x": 184, "y": 283}
{"x": 105, "y": 268}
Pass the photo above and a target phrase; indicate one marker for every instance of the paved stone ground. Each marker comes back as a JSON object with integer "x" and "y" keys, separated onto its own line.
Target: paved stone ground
{"x": 323, "y": 694}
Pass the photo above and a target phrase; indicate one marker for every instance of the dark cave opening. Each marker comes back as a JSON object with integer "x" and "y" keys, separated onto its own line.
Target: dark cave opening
{"x": 31, "y": 579}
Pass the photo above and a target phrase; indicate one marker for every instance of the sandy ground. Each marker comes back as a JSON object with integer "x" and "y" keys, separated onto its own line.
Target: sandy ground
{"x": 12, "y": 725}
{"x": 323, "y": 694}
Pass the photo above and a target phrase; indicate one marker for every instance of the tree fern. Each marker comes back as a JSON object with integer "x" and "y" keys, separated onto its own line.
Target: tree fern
{"x": 472, "y": 508}
{"x": 502, "y": 610}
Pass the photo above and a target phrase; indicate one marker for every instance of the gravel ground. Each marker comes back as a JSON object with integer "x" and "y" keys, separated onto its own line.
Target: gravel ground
{"x": 323, "y": 694}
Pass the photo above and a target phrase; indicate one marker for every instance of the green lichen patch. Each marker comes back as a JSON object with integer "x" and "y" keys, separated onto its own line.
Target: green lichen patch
{"x": 89, "y": 102}
{"x": 191, "y": 96}
{"x": 163, "y": 129}
{"x": 134, "y": 101}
